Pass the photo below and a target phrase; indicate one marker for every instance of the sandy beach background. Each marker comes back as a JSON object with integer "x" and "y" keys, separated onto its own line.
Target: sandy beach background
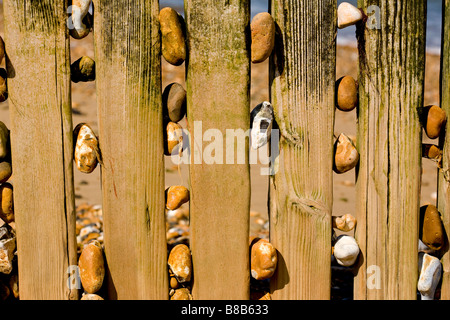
{"x": 87, "y": 186}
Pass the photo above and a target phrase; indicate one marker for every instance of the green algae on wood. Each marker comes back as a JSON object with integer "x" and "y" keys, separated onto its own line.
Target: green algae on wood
{"x": 302, "y": 77}
{"x": 218, "y": 94}
{"x": 128, "y": 81}
{"x": 391, "y": 84}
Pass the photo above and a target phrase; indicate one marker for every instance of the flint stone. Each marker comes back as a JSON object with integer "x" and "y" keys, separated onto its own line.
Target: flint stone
{"x": 346, "y": 156}
{"x": 348, "y": 15}
{"x": 92, "y": 267}
{"x": 174, "y": 102}
{"x": 431, "y": 229}
{"x": 346, "y": 250}
{"x": 264, "y": 259}
{"x": 87, "y": 153}
{"x": 7, "y": 248}
{"x": 180, "y": 262}
{"x": 261, "y": 125}
{"x": 176, "y": 197}
{"x": 435, "y": 118}
{"x": 430, "y": 275}
{"x": 347, "y": 94}
{"x": 174, "y": 139}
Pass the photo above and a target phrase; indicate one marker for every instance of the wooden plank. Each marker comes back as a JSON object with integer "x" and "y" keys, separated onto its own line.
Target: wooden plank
{"x": 218, "y": 76}
{"x": 302, "y": 90}
{"x": 391, "y": 80}
{"x": 128, "y": 78}
{"x": 444, "y": 143}
{"x": 38, "y": 65}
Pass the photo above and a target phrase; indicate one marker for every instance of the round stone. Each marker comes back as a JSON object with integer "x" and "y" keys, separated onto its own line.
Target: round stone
{"x": 346, "y": 156}
{"x": 173, "y": 45}
{"x": 92, "y": 267}
{"x": 346, "y": 250}
{"x": 174, "y": 139}
{"x": 263, "y": 36}
{"x": 176, "y": 197}
{"x": 180, "y": 262}
{"x": 263, "y": 258}
{"x": 7, "y": 206}
{"x": 435, "y": 120}
{"x": 86, "y": 152}
{"x": 347, "y": 94}
{"x": 174, "y": 102}
{"x": 431, "y": 229}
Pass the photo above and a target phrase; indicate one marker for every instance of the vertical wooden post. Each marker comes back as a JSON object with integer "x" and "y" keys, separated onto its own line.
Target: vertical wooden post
{"x": 38, "y": 66}
{"x": 391, "y": 83}
{"x": 443, "y": 178}
{"x": 128, "y": 77}
{"x": 302, "y": 76}
{"x": 218, "y": 90}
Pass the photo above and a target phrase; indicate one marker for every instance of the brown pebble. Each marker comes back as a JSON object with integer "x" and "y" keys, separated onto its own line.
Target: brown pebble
{"x": 431, "y": 229}
{"x": 180, "y": 262}
{"x": 176, "y": 196}
{"x": 346, "y": 156}
{"x": 263, "y": 258}
{"x": 7, "y": 207}
{"x": 92, "y": 267}
{"x": 91, "y": 296}
{"x": 173, "y": 45}
{"x": 174, "y": 283}
{"x": 86, "y": 149}
{"x": 263, "y": 36}
{"x": 347, "y": 94}
{"x": 435, "y": 118}
{"x": 174, "y": 102}
{"x": 83, "y": 70}
{"x": 174, "y": 139}
{"x": 181, "y": 294}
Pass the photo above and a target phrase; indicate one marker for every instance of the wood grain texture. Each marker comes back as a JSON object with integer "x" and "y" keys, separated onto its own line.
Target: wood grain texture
{"x": 391, "y": 80}
{"x": 38, "y": 66}
{"x": 218, "y": 73}
{"x": 444, "y": 143}
{"x": 302, "y": 77}
{"x": 128, "y": 76}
